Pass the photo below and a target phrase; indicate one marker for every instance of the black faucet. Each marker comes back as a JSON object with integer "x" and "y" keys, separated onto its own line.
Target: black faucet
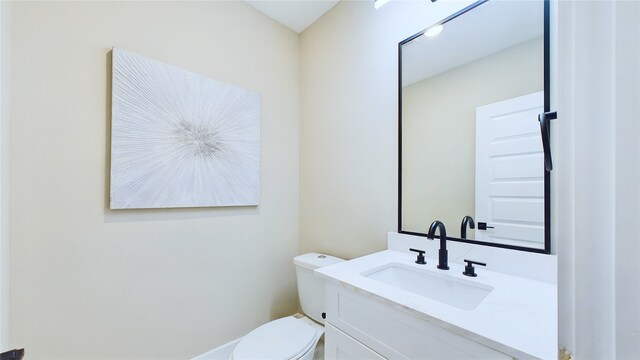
{"x": 443, "y": 262}
{"x": 463, "y": 227}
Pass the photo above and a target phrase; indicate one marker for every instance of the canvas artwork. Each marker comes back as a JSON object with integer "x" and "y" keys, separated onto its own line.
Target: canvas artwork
{"x": 179, "y": 139}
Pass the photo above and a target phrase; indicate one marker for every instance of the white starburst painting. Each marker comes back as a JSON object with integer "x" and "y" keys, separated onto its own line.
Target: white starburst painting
{"x": 179, "y": 139}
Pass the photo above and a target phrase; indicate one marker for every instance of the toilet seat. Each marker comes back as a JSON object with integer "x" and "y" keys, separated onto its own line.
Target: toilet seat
{"x": 284, "y": 339}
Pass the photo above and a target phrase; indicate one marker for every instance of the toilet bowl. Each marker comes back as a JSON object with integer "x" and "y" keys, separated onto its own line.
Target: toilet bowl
{"x": 293, "y": 337}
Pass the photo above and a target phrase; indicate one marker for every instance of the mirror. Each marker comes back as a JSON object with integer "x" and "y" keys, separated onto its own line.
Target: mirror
{"x": 470, "y": 141}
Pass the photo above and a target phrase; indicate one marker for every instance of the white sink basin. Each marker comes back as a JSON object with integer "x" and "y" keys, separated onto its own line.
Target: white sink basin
{"x": 435, "y": 285}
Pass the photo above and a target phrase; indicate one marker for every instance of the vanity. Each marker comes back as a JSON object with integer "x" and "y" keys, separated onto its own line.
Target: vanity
{"x": 384, "y": 305}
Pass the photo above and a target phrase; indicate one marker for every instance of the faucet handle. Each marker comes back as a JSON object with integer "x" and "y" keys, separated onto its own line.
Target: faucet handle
{"x": 484, "y": 226}
{"x": 469, "y": 270}
{"x": 420, "y": 259}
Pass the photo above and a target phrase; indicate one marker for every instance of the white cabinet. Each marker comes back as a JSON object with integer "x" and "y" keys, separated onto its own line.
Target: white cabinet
{"x": 338, "y": 345}
{"x": 363, "y": 327}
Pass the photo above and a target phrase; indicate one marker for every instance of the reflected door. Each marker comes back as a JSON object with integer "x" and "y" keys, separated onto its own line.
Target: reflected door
{"x": 510, "y": 172}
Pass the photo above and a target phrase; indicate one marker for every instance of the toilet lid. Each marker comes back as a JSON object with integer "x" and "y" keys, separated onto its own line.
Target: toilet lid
{"x": 279, "y": 339}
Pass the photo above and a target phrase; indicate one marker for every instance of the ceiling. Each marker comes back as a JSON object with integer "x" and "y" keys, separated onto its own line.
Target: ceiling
{"x": 297, "y": 15}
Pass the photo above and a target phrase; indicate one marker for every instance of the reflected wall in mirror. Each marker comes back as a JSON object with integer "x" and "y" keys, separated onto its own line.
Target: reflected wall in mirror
{"x": 469, "y": 133}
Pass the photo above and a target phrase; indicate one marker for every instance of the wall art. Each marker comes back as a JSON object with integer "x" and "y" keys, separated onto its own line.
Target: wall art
{"x": 179, "y": 139}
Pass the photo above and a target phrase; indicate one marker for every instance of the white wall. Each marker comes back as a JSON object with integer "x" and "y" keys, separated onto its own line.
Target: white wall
{"x": 87, "y": 282}
{"x": 348, "y": 124}
{"x": 627, "y": 187}
{"x": 597, "y": 179}
{"x": 5, "y": 22}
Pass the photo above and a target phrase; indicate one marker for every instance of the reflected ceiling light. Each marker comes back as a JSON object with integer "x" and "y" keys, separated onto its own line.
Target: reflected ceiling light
{"x": 434, "y": 30}
{"x": 378, "y": 3}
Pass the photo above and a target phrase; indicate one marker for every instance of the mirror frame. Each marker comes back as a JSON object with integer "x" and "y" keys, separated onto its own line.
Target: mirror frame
{"x": 547, "y": 105}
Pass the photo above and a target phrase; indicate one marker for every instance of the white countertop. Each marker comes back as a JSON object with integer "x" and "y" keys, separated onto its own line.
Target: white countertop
{"x": 518, "y": 317}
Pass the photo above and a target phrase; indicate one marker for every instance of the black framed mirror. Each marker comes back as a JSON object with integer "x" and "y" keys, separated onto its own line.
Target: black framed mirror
{"x": 470, "y": 149}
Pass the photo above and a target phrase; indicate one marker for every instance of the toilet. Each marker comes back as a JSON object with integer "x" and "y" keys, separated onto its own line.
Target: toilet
{"x": 292, "y": 337}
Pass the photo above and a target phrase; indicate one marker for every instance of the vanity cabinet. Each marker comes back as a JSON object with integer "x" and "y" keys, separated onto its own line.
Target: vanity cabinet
{"x": 362, "y": 326}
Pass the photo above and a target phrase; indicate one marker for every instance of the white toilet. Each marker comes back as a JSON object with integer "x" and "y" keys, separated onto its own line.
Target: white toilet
{"x": 292, "y": 337}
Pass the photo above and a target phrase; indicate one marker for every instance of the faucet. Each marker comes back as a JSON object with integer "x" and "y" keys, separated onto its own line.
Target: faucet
{"x": 443, "y": 262}
{"x": 463, "y": 227}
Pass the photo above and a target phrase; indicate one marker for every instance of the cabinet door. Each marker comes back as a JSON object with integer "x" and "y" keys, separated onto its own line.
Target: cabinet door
{"x": 338, "y": 346}
{"x": 398, "y": 335}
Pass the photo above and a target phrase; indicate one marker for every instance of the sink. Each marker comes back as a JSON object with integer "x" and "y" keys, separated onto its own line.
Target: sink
{"x": 441, "y": 287}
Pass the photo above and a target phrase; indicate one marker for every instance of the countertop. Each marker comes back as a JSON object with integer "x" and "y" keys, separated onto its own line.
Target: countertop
{"x": 518, "y": 317}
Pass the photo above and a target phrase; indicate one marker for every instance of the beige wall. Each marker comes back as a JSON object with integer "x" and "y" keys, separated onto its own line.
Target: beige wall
{"x": 348, "y": 124}
{"x": 438, "y": 173}
{"x": 87, "y": 282}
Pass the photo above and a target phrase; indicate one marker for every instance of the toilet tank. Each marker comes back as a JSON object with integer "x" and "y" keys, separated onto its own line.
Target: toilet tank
{"x": 311, "y": 286}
